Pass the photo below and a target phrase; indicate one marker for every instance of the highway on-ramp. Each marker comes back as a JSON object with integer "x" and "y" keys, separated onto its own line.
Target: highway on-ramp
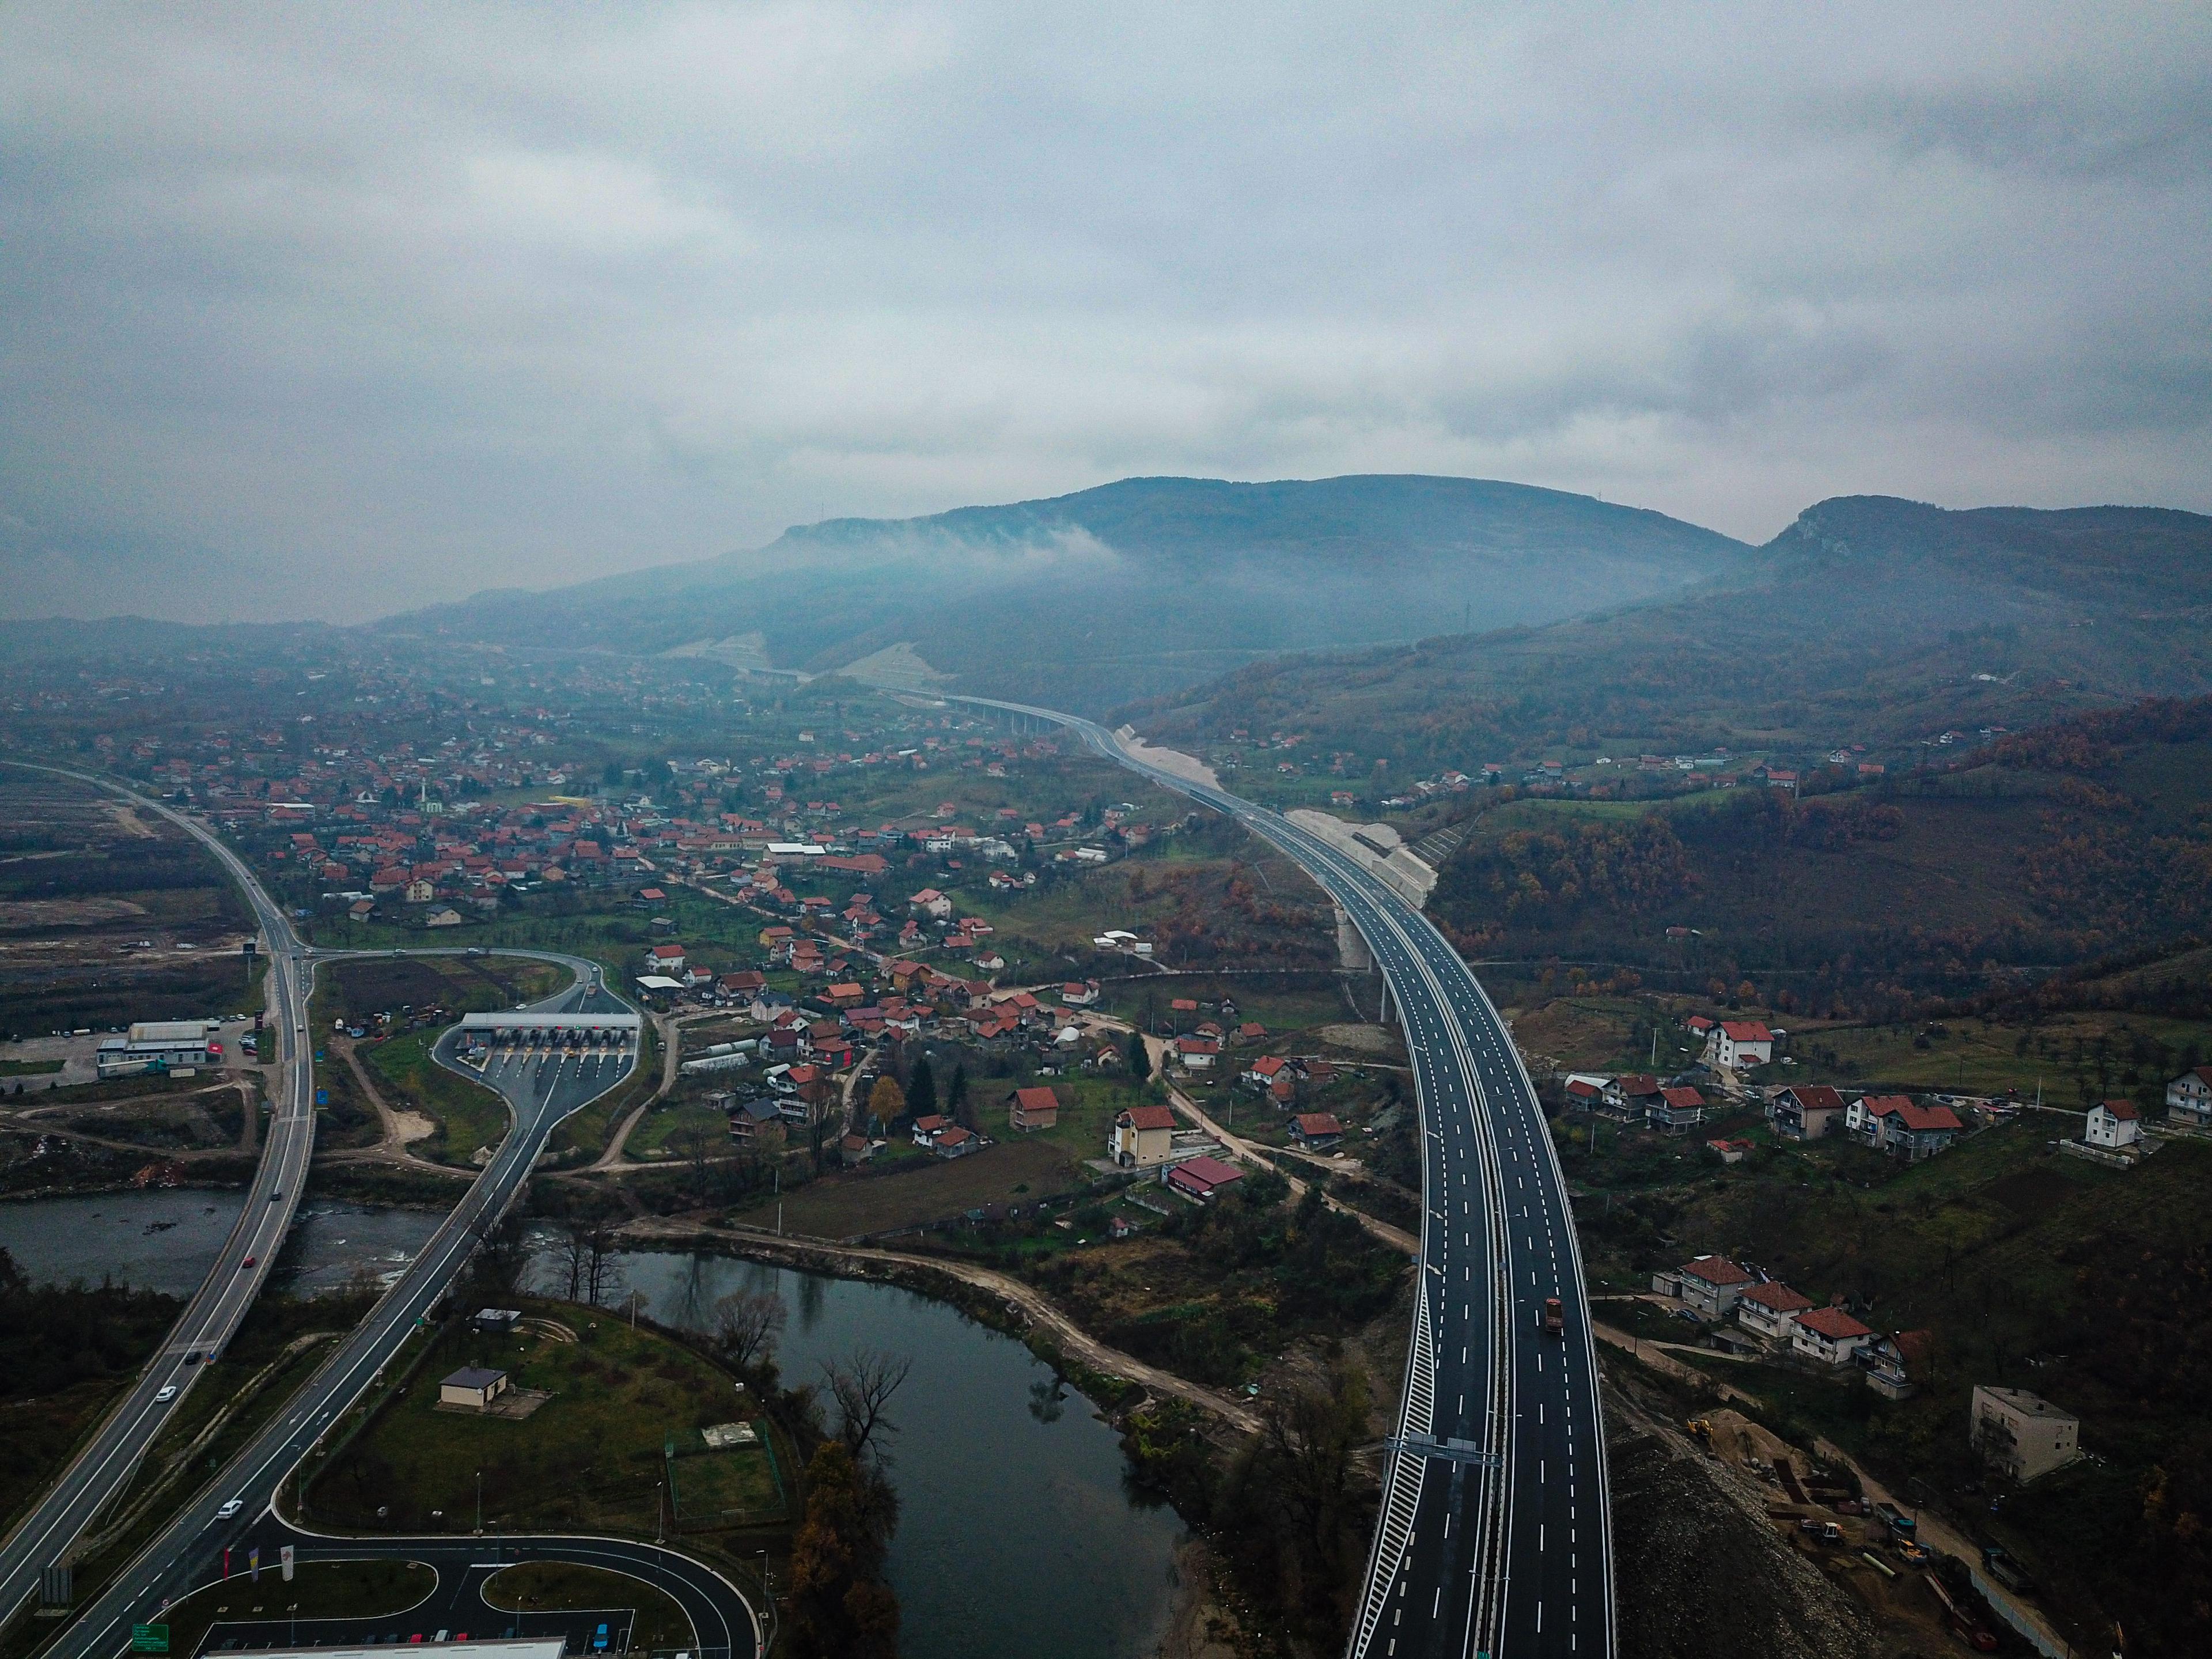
{"x": 104, "y": 1467}
{"x": 1495, "y": 1536}
{"x": 188, "y": 1548}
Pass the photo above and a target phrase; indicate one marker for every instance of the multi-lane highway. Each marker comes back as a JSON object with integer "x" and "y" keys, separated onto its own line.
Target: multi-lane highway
{"x": 1495, "y": 1536}
{"x": 187, "y": 1550}
{"x": 102, "y": 1468}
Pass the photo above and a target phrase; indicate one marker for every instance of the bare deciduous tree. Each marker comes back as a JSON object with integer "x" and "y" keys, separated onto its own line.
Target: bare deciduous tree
{"x": 746, "y": 1325}
{"x": 602, "y": 1274}
{"x": 574, "y": 1255}
{"x": 862, "y": 1384}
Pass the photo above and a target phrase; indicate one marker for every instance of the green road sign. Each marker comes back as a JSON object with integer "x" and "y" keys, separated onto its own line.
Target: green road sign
{"x": 149, "y": 1638}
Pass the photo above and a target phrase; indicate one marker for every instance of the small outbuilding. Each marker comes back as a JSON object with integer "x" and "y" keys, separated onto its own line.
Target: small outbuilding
{"x": 473, "y": 1387}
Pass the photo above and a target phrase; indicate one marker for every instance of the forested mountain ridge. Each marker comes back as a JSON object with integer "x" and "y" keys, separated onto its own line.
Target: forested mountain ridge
{"x": 1134, "y": 587}
{"x": 1867, "y": 620}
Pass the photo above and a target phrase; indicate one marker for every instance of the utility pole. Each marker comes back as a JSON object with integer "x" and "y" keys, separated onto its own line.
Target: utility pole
{"x": 479, "y": 1503}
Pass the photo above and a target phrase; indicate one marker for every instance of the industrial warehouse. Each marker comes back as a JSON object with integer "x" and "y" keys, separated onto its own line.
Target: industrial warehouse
{"x": 174, "y": 1045}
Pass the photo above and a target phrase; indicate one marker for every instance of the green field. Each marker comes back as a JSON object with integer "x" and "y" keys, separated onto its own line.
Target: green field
{"x": 591, "y": 1457}
{"x": 1015, "y": 1171}
{"x": 469, "y": 1116}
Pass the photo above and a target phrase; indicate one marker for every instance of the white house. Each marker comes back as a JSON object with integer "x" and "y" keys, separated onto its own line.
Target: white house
{"x": 2189, "y": 1097}
{"x": 1771, "y": 1310}
{"x": 2023, "y": 1434}
{"x": 1829, "y": 1335}
{"x": 1710, "y": 1285}
{"x": 1734, "y": 1043}
{"x": 2113, "y": 1124}
{"x": 931, "y": 903}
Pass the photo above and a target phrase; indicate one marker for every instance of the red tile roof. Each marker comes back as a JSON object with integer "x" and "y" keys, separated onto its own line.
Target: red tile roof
{"x": 1717, "y": 1270}
{"x": 1833, "y": 1323}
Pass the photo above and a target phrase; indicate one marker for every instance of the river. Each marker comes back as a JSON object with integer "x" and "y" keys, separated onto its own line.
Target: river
{"x": 167, "y": 1240}
{"x": 1015, "y": 1518}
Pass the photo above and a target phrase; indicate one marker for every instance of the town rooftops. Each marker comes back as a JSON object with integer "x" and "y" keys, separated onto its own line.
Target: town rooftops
{"x": 1746, "y": 1030}
{"x": 1716, "y": 1270}
{"x": 1149, "y": 1117}
{"x": 1777, "y": 1297}
{"x": 472, "y": 1376}
{"x": 1682, "y": 1099}
{"x": 1036, "y": 1100}
{"x": 1833, "y": 1323}
{"x": 1315, "y": 1125}
{"x": 2122, "y": 1109}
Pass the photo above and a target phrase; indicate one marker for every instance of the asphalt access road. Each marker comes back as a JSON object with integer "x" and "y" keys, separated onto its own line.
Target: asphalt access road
{"x": 104, "y": 1467}
{"x": 1495, "y": 1531}
{"x": 187, "y": 1552}
{"x": 720, "y": 1613}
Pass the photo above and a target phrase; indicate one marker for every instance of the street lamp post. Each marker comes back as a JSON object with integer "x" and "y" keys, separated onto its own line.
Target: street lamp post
{"x": 479, "y": 1503}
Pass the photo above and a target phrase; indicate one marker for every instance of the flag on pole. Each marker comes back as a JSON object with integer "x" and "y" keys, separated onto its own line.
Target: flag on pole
{"x": 254, "y": 1562}
{"x": 284, "y": 1558}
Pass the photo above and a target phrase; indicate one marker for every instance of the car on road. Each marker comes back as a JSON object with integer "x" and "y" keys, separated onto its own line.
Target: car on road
{"x": 248, "y": 1262}
{"x": 1555, "y": 1322}
{"x": 166, "y": 1392}
{"x": 278, "y": 1194}
{"x": 193, "y": 1358}
{"x": 230, "y": 1509}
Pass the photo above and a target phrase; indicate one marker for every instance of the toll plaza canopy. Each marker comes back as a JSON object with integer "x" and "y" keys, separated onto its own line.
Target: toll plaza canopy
{"x": 621, "y": 1028}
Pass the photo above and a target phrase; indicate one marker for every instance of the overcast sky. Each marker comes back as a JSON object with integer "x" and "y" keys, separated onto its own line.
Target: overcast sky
{"x": 335, "y": 310}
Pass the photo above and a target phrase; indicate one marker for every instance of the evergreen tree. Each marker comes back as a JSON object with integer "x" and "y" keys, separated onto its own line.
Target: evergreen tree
{"x": 957, "y": 1104}
{"x": 1139, "y": 1059}
{"x": 921, "y": 1088}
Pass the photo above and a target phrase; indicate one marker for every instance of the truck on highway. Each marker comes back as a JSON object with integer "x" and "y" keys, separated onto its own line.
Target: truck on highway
{"x": 1555, "y": 1318}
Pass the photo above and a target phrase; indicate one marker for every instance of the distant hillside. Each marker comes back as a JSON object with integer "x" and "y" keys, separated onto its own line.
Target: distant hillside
{"x": 1869, "y": 620}
{"x": 1125, "y": 590}
{"x": 2080, "y": 841}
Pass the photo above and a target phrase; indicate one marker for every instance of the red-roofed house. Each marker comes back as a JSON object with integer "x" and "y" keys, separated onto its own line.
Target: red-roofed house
{"x": 955, "y": 1142}
{"x": 1735, "y": 1043}
{"x": 1710, "y": 1285}
{"x": 1675, "y": 1110}
{"x": 1771, "y": 1310}
{"x": 1893, "y": 1124}
{"x": 1202, "y": 1177}
{"x": 1142, "y": 1136}
{"x": 664, "y": 958}
{"x": 1829, "y": 1335}
{"x": 1033, "y": 1109}
{"x": 2112, "y": 1125}
{"x": 1196, "y": 1053}
{"x": 1804, "y": 1111}
{"x": 1315, "y": 1131}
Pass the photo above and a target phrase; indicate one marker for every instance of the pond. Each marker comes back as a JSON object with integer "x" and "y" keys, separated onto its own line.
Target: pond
{"x": 1015, "y": 1518}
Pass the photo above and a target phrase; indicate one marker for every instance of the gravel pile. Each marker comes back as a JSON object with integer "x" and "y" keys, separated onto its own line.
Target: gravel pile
{"x": 1700, "y": 1572}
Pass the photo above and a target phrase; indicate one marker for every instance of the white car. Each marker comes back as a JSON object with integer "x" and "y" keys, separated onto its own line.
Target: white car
{"x": 165, "y": 1393}
{"x": 230, "y": 1509}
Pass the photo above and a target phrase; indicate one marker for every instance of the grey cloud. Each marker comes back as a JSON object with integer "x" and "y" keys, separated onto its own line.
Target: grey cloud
{"x": 363, "y": 310}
